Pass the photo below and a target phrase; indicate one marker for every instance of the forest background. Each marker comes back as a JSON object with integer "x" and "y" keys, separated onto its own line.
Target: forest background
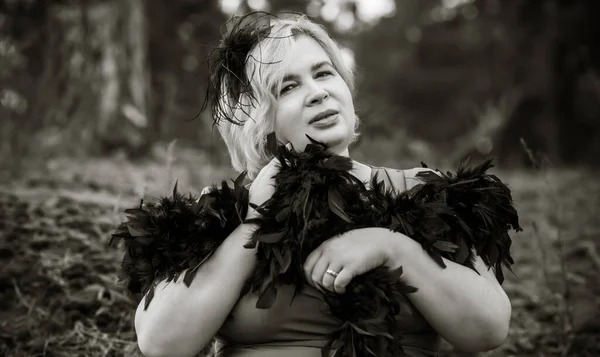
{"x": 100, "y": 106}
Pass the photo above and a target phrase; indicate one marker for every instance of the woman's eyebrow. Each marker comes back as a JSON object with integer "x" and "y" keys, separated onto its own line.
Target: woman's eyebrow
{"x": 314, "y": 67}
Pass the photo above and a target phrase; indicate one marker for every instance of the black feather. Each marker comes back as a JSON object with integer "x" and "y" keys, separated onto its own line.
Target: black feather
{"x": 178, "y": 233}
{"x": 453, "y": 216}
{"x": 227, "y": 65}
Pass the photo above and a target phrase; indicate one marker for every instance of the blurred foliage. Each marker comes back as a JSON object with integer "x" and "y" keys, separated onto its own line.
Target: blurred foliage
{"x": 61, "y": 297}
{"x": 437, "y": 80}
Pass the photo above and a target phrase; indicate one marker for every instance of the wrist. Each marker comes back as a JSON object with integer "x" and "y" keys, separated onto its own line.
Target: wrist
{"x": 401, "y": 250}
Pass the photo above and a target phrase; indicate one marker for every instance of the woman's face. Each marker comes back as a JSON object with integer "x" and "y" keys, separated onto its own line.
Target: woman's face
{"x": 314, "y": 100}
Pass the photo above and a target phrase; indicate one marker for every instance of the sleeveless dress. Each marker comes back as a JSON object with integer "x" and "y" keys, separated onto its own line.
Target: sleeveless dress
{"x": 300, "y": 328}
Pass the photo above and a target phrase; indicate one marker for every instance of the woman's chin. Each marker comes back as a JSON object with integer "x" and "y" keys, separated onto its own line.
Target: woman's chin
{"x": 331, "y": 138}
{"x": 336, "y": 145}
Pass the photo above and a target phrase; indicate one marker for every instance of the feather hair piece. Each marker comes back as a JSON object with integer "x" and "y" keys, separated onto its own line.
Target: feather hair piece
{"x": 227, "y": 65}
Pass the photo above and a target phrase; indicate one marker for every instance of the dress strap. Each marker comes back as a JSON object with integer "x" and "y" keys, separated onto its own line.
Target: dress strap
{"x": 392, "y": 179}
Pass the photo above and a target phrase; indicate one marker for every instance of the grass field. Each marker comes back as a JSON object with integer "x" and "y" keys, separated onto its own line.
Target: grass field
{"x": 59, "y": 294}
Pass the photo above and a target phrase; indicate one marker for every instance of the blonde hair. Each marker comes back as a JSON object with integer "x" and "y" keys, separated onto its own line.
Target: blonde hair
{"x": 265, "y": 66}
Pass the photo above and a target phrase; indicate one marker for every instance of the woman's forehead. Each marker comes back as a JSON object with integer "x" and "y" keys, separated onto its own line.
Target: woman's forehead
{"x": 279, "y": 61}
{"x": 306, "y": 55}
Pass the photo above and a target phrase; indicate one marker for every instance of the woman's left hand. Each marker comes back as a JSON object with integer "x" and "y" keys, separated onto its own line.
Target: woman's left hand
{"x": 350, "y": 254}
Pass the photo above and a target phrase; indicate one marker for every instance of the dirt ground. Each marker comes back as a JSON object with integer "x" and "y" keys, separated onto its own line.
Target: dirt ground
{"x": 59, "y": 294}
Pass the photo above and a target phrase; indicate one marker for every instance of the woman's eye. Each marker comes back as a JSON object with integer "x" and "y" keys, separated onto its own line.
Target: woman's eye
{"x": 324, "y": 73}
{"x": 287, "y": 88}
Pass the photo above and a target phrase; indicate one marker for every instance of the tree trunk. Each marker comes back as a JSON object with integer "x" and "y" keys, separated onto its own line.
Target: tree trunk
{"x": 121, "y": 28}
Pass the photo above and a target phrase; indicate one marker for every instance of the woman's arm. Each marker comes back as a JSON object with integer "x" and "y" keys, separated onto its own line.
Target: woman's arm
{"x": 469, "y": 310}
{"x": 181, "y": 320}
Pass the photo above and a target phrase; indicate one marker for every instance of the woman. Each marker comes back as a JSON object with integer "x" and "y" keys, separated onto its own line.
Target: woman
{"x": 295, "y": 83}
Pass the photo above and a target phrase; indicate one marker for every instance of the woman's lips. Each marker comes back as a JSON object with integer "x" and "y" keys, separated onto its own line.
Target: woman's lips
{"x": 327, "y": 121}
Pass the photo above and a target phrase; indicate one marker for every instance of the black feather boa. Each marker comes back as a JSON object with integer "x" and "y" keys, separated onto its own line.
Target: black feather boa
{"x": 453, "y": 216}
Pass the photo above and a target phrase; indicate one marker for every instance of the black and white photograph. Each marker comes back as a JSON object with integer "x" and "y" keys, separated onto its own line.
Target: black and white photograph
{"x": 299, "y": 178}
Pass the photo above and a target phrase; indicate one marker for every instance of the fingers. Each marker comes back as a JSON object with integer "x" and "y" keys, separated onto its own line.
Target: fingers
{"x": 342, "y": 280}
{"x": 309, "y": 265}
{"x": 319, "y": 271}
{"x": 265, "y": 176}
{"x": 315, "y": 272}
{"x": 269, "y": 168}
{"x": 330, "y": 276}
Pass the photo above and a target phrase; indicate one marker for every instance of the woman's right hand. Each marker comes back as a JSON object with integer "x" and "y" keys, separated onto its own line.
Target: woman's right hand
{"x": 263, "y": 186}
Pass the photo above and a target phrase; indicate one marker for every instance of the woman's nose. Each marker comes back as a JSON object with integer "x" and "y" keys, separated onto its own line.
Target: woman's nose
{"x": 317, "y": 95}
